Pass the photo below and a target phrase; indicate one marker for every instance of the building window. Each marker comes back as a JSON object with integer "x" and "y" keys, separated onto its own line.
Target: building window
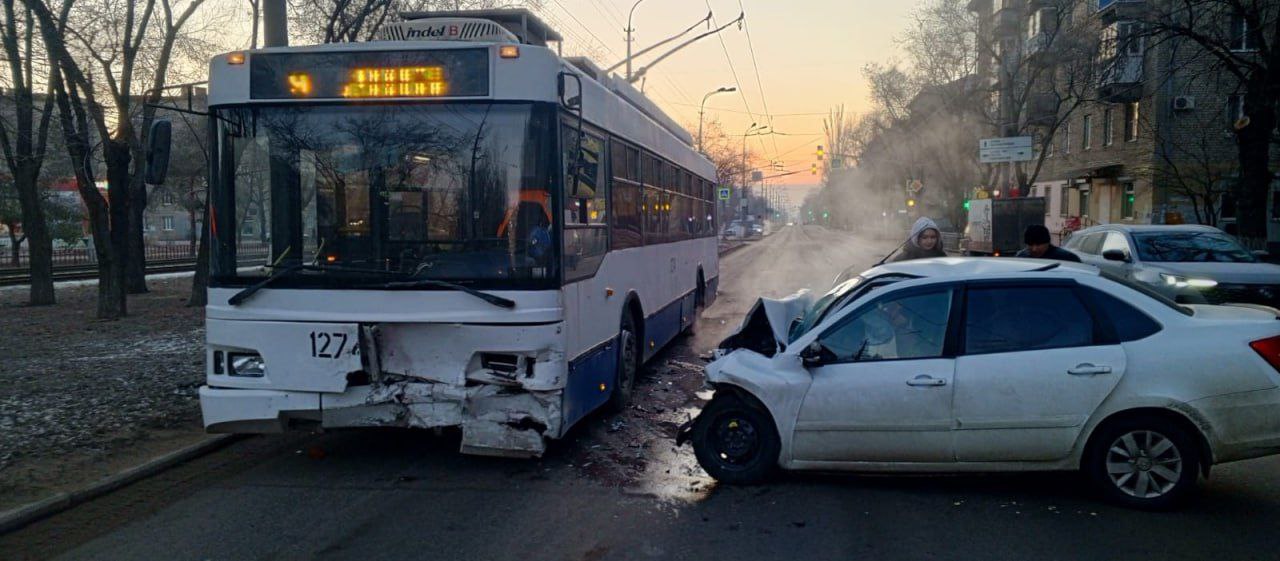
{"x": 1129, "y": 38}
{"x": 1131, "y": 121}
{"x": 168, "y": 223}
{"x": 1086, "y": 136}
{"x": 1084, "y": 202}
{"x": 1126, "y": 204}
{"x": 1235, "y": 109}
{"x": 1064, "y": 200}
{"x": 1066, "y": 138}
{"x": 1241, "y": 37}
{"x": 1106, "y": 127}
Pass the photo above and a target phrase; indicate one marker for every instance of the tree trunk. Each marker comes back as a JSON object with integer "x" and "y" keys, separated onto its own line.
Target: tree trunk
{"x": 200, "y": 282}
{"x": 39, "y": 243}
{"x": 1254, "y": 146}
{"x": 116, "y": 152}
{"x": 136, "y": 266}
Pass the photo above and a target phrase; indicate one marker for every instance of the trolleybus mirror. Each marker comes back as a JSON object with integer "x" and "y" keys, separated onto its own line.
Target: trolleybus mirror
{"x": 158, "y": 146}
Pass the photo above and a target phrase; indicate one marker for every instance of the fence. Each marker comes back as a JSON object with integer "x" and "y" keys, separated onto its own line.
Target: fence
{"x": 84, "y": 256}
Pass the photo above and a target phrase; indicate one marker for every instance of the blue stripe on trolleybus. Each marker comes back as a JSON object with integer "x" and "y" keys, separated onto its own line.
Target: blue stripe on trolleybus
{"x": 587, "y": 373}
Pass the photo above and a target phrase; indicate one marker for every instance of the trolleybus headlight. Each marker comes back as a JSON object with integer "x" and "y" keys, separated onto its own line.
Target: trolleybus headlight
{"x": 248, "y": 365}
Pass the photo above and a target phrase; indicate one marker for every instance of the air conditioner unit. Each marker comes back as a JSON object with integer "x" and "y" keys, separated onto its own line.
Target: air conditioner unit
{"x": 1184, "y": 103}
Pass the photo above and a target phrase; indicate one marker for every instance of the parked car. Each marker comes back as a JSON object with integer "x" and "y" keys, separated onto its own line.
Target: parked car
{"x": 735, "y": 229}
{"x": 1189, "y": 263}
{"x": 994, "y": 365}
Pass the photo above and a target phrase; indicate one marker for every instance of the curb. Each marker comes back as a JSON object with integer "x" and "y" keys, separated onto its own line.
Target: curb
{"x": 17, "y": 518}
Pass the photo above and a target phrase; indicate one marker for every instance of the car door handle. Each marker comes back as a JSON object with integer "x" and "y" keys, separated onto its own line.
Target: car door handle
{"x": 1086, "y": 369}
{"x": 925, "y": 380}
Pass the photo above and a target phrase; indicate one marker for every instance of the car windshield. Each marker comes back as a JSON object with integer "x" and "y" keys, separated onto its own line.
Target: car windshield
{"x": 1190, "y": 247}
{"x": 836, "y": 299}
{"x": 458, "y": 192}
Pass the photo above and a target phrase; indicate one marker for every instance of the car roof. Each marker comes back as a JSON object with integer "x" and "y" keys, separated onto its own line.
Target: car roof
{"x": 1133, "y": 228}
{"x": 971, "y": 267}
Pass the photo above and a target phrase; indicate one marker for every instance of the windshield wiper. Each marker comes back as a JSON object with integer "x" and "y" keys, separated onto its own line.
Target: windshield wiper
{"x": 411, "y": 284}
{"x": 282, "y": 272}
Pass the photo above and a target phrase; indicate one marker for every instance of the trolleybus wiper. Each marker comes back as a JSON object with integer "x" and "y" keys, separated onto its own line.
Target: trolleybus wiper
{"x": 282, "y": 272}
{"x": 419, "y": 283}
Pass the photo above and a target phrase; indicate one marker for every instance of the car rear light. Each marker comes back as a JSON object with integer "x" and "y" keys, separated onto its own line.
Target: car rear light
{"x": 1269, "y": 348}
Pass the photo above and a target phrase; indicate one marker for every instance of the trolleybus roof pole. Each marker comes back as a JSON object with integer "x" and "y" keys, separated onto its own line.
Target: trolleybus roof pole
{"x": 275, "y": 24}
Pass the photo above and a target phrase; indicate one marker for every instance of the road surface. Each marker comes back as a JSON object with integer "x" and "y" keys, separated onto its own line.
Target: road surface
{"x": 618, "y": 489}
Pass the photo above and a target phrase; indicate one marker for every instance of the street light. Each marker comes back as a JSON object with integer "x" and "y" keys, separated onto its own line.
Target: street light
{"x": 629, "y": 30}
{"x": 703, "y": 106}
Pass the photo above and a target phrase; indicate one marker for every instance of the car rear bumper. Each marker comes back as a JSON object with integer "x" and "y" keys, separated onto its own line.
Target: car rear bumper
{"x": 1246, "y": 425}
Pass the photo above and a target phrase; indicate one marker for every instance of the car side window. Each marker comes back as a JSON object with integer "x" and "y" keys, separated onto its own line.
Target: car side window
{"x": 1128, "y": 322}
{"x": 1025, "y": 318}
{"x": 1091, "y": 243}
{"x": 904, "y": 327}
{"x": 1115, "y": 240}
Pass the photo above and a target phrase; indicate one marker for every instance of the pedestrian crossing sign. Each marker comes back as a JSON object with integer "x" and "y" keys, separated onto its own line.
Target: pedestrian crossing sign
{"x": 724, "y": 193}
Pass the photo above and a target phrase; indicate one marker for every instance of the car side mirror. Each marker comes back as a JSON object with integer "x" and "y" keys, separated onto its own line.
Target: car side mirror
{"x": 158, "y": 147}
{"x": 1115, "y": 255}
{"x": 812, "y": 355}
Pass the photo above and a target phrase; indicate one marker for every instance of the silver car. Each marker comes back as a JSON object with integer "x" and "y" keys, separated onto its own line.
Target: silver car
{"x": 1189, "y": 263}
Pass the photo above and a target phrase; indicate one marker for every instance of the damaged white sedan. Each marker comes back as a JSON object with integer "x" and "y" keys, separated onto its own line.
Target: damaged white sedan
{"x": 985, "y": 365}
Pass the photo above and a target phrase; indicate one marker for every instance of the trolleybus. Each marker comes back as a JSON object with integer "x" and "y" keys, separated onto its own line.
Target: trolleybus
{"x": 465, "y": 229}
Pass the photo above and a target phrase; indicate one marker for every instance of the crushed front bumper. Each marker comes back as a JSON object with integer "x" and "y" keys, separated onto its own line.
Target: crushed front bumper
{"x": 495, "y": 421}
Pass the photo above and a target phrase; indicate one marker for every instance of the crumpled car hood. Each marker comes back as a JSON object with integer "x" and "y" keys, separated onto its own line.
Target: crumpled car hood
{"x": 764, "y": 329}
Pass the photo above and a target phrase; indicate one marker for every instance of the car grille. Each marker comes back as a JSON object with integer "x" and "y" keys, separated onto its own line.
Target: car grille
{"x": 1265, "y": 294}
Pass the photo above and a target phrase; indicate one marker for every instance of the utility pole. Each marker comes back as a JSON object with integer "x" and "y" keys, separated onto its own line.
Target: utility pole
{"x": 275, "y": 24}
{"x": 629, "y": 30}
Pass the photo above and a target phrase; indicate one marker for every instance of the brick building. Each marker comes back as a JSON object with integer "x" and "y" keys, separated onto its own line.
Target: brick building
{"x": 1148, "y": 140}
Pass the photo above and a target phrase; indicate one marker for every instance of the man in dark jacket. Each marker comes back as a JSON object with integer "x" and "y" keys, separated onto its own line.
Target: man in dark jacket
{"x": 1039, "y": 247}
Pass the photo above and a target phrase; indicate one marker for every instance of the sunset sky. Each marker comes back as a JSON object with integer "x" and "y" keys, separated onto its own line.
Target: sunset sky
{"x": 809, "y": 54}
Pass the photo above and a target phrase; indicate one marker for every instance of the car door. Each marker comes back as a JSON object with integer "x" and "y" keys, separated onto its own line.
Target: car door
{"x": 882, "y": 383}
{"x": 1034, "y": 365}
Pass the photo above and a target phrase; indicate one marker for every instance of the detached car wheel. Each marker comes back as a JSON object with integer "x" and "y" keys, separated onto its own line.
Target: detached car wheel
{"x": 1144, "y": 463}
{"x": 736, "y": 442}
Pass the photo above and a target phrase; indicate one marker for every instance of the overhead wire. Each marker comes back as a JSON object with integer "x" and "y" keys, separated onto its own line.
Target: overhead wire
{"x": 764, "y": 100}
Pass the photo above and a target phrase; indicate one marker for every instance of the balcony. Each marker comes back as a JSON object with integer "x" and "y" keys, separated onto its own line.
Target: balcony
{"x": 1007, "y": 21}
{"x": 1111, "y": 11}
{"x": 1121, "y": 79}
{"x": 1042, "y": 110}
{"x": 1037, "y": 47}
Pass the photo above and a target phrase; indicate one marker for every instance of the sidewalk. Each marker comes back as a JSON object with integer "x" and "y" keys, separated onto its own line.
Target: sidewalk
{"x": 83, "y": 399}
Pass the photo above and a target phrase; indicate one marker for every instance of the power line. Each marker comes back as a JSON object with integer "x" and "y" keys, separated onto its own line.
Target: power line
{"x": 746, "y": 27}
{"x": 823, "y": 113}
{"x": 584, "y": 27}
{"x": 729, "y": 59}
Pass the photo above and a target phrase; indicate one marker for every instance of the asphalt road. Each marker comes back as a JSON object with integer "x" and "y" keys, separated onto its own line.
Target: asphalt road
{"x": 409, "y": 495}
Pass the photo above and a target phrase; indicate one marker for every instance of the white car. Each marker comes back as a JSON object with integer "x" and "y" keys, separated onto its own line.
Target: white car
{"x": 989, "y": 365}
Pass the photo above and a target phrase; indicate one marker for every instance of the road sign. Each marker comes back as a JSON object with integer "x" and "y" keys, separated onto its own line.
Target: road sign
{"x": 724, "y": 193}
{"x": 757, "y": 176}
{"x": 1007, "y": 149}
{"x": 1006, "y": 142}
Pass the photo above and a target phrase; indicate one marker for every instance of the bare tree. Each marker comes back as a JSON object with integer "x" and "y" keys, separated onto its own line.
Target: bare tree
{"x": 24, "y": 146}
{"x": 1240, "y": 39}
{"x": 130, "y": 45}
{"x": 338, "y": 21}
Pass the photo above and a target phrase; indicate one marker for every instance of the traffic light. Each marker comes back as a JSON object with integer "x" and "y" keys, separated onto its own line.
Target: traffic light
{"x": 966, "y": 204}
{"x": 911, "y": 202}
{"x": 813, "y": 169}
{"x": 821, "y": 152}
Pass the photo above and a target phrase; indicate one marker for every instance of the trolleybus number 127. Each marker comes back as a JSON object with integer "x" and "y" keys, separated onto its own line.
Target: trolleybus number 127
{"x": 331, "y": 345}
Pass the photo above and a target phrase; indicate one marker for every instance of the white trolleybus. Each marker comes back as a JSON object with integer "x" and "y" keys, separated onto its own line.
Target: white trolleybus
{"x": 464, "y": 229}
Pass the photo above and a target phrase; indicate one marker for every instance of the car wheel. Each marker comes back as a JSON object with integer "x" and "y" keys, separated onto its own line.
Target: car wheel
{"x": 1144, "y": 463}
{"x": 736, "y": 442}
{"x": 624, "y": 381}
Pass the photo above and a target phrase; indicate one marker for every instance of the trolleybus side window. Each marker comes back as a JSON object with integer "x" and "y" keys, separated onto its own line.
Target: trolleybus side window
{"x": 586, "y": 196}
{"x": 626, "y": 216}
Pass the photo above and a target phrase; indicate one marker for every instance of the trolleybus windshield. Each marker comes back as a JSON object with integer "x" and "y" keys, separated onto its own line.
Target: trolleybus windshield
{"x": 448, "y": 191}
